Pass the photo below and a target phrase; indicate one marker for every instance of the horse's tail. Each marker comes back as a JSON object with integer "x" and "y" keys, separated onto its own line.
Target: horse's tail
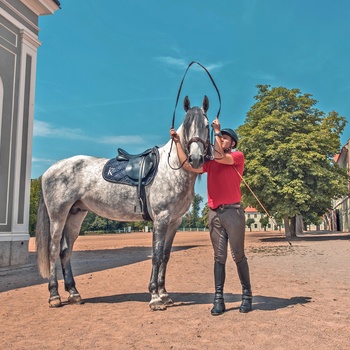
{"x": 43, "y": 238}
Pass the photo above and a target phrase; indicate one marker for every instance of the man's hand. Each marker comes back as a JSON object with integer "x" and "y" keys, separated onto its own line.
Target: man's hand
{"x": 216, "y": 125}
{"x": 174, "y": 135}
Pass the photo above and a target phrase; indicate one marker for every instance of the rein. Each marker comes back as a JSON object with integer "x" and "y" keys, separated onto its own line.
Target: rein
{"x": 194, "y": 139}
{"x": 182, "y": 81}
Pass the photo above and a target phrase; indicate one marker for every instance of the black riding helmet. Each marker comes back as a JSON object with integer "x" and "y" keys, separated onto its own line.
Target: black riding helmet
{"x": 230, "y": 133}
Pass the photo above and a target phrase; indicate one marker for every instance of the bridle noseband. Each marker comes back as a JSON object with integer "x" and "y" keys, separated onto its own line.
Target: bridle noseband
{"x": 197, "y": 139}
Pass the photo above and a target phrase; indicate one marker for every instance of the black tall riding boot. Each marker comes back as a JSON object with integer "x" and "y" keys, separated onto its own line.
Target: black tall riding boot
{"x": 219, "y": 278}
{"x": 243, "y": 273}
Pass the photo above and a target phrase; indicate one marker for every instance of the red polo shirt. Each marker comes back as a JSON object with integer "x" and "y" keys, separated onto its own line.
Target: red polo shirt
{"x": 223, "y": 183}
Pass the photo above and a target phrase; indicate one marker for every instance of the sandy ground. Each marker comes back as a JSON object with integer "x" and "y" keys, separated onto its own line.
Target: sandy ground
{"x": 301, "y": 297}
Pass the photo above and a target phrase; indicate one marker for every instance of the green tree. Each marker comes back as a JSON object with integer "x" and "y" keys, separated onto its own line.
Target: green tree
{"x": 99, "y": 224}
{"x": 35, "y": 188}
{"x": 205, "y": 218}
{"x": 249, "y": 223}
{"x": 195, "y": 218}
{"x": 264, "y": 222}
{"x": 192, "y": 218}
{"x": 289, "y": 147}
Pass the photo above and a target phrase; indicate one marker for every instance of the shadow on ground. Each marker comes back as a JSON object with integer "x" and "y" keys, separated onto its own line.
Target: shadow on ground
{"x": 82, "y": 262}
{"x": 265, "y": 303}
{"x": 310, "y": 237}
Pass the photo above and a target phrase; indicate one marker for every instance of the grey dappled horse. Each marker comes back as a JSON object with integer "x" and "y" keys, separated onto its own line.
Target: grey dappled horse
{"x": 74, "y": 186}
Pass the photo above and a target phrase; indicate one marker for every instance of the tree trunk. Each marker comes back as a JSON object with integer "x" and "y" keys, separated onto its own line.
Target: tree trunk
{"x": 287, "y": 227}
{"x": 299, "y": 225}
{"x": 293, "y": 226}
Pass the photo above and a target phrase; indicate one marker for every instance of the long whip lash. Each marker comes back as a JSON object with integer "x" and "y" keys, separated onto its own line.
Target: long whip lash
{"x": 265, "y": 210}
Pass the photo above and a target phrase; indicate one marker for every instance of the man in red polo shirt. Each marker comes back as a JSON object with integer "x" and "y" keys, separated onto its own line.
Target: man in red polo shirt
{"x": 226, "y": 215}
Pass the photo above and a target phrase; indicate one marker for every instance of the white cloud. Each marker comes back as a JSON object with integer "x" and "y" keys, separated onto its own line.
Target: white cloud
{"x": 124, "y": 139}
{"x": 43, "y": 160}
{"x": 43, "y": 129}
{"x": 171, "y": 61}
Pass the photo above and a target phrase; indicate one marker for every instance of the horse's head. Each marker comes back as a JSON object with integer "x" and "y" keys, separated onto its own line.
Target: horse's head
{"x": 196, "y": 132}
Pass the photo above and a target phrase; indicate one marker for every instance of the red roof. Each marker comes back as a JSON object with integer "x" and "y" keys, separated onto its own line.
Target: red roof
{"x": 250, "y": 210}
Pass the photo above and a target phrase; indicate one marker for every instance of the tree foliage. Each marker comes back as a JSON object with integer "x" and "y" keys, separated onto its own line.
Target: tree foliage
{"x": 289, "y": 147}
{"x": 191, "y": 218}
{"x": 35, "y": 188}
{"x": 205, "y": 216}
{"x": 249, "y": 222}
{"x": 264, "y": 222}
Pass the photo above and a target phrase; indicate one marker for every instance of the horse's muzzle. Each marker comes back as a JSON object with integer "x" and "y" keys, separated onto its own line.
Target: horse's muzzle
{"x": 196, "y": 161}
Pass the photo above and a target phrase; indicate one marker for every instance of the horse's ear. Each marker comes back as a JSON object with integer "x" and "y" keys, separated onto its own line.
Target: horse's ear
{"x": 187, "y": 104}
{"x": 205, "y": 103}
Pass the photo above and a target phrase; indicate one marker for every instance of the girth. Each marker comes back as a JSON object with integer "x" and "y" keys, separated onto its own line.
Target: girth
{"x": 134, "y": 170}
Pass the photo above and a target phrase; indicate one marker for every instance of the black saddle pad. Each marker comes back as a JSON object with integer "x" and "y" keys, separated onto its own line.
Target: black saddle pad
{"x": 122, "y": 170}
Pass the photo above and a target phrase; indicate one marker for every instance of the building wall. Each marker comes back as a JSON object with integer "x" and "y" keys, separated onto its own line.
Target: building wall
{"x": 18, "y": 52}
{"x": 256, "y": 226}
{"x": 341, "y": 206}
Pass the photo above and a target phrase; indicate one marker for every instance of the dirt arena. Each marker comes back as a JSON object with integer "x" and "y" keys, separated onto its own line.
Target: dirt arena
{"x": 301, "y": 297}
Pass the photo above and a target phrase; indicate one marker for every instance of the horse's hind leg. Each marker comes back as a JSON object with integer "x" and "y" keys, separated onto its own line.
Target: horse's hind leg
{"x": 54, "y": 252}
{"x": 70, "y": 234}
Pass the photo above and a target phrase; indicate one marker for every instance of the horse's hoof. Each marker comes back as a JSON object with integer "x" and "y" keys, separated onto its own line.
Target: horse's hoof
{"x": 55, "y": 302}
{"x": 157, "y": 305}
{"x": 75, "y": 299}
{"x": 167, "y": 301}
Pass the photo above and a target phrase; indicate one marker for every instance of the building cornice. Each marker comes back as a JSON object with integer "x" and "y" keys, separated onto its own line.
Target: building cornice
{"x": 42, "y": 7}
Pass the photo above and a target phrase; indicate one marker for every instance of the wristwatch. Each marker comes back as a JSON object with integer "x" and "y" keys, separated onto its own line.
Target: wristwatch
{"x": 218, "y": 133}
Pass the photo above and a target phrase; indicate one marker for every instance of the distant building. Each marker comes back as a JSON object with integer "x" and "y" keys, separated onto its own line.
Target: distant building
{"x": 18, "y": 52}
{"x": 252, "y": 213}
{"x": 339, "y": 217}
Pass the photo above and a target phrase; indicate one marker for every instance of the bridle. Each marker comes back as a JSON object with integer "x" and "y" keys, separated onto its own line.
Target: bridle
{"x": 197, "y": 139}
{"x": 187, "y": 144}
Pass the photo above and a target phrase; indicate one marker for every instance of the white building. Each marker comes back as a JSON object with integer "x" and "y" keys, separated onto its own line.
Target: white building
{"x": 252, "y": 213}
{"x": 339, "y": 218}
{"x": 18, "y": 52}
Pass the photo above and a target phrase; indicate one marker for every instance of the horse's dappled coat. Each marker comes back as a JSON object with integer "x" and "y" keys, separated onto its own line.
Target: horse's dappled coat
{"x": 74, "y": 186}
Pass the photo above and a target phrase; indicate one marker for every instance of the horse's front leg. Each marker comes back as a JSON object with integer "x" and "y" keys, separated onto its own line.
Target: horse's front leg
{"x": 169, "y": 239}
{"x": 159, "y": 231}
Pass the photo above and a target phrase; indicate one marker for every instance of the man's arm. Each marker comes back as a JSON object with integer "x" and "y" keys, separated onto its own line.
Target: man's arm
{"x": 223, "y": 158}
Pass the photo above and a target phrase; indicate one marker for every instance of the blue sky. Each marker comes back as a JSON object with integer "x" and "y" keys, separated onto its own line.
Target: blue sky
{"x": 108, "y": 71}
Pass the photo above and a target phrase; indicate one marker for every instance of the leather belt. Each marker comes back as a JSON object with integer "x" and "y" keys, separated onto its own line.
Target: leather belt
{"x": 228, "y": 206}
